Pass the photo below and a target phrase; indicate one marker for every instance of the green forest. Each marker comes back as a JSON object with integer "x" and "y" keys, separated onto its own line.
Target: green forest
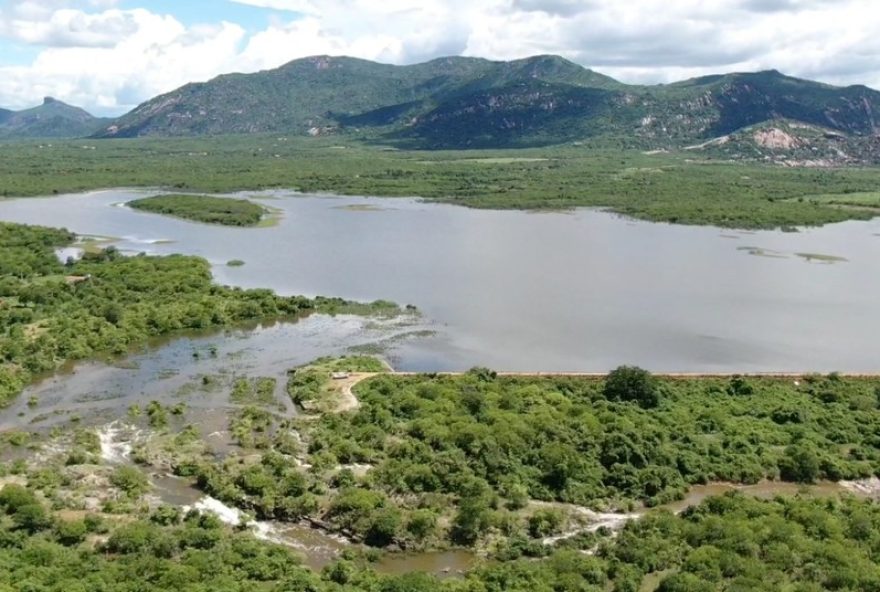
{"x": 727, "y": 543}
{"x": 573, "y": 440}
{"x": 497, "y": 463}
{"x": 203, "y": 208}
{"x": 682, "y": 188}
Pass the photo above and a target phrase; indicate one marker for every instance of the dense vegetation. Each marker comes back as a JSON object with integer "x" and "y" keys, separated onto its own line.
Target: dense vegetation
{"x": 661, "y": 187}
{"x": 203, "y": 208}
{"x": 564, "y": 439}
{"x": 737, "y": 543}
{"x": 727, "y": 543}
{"x": 427, "y": 461}
{"x": 106, "y": 303}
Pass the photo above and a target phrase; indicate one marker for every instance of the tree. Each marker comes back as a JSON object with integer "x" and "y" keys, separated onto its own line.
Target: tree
{"x": 132, "y": 538}
{"x": 800, "y": 463}
{"x": 384, "y": 526}
{"x": 13, "y": 496}
{"x": 631, "y": 383}
{"x": 70, "y": 532}
{"x": 474, "y": 512}
{"x": 421, "y": 524}
{"x": 739, "y": 386}
{"x": 31, "y": 517}
{"x": 130, "y": 480}
{"x": 684, "y": 582}
{"x": 545, "y": 522}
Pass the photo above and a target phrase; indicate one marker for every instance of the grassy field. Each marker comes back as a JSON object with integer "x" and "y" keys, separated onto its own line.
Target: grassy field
{"x": 867, "y": 201}
{"x": 665, "y": 187}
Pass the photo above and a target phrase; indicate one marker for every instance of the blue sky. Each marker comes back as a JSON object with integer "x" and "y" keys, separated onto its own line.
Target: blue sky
{"x": 189, "y": 12}
{"x": 17, "y": 54}
{"x": 109, "y": 55}
{"x": 192, "y": 12}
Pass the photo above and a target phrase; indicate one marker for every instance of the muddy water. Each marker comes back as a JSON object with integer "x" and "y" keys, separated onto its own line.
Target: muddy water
{"x": 442, "y": 563}
{"x": 317, "y": 548}
{"x": 171, "y": 371}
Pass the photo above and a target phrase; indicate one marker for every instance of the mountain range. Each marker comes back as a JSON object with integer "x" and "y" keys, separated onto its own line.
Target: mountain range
{"x": 460, "y": 102}
{"x": 52, "y": 119}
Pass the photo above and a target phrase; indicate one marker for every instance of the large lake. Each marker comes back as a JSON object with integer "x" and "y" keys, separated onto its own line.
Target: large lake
{"x": 575, "y": 291}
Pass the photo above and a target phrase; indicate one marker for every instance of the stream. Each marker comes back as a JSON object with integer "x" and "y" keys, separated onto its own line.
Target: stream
{"x": 318, "y": 548}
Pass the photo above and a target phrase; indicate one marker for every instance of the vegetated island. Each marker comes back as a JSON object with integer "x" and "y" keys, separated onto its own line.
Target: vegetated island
{"x": 204, "y": 208}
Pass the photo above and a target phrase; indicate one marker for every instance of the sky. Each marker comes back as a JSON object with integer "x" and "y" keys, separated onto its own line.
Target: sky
{"x": 108, "y": 56}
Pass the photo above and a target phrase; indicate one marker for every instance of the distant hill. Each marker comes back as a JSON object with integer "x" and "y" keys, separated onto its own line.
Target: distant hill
{"x": 52, "y": 119}
{"x": 320, "y": 94}
{"x": 461, "y": 102}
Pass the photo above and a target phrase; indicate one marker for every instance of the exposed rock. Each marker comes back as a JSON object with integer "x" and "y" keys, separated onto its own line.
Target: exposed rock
{"x": 776, "y": 139}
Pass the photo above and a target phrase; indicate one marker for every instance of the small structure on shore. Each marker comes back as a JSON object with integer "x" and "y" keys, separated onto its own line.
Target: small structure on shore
{"x": 339, "y": 375}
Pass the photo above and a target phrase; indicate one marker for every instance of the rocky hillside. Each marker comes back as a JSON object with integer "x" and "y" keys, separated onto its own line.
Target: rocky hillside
{"x": 52, "y": 119}
{"x": 794, "y": 143}
{"x": 468, "y": 102}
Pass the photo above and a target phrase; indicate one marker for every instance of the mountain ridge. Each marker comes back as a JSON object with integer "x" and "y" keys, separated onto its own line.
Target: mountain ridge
{"x": 51, "y": 119}
{"x": 466, "y": 102}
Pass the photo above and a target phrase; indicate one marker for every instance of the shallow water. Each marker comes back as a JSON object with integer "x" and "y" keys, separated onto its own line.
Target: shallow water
{"x": 171, "y": 371}
{"x": 582, "y": 290}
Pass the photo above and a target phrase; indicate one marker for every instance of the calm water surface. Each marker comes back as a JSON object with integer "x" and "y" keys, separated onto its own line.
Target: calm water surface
{"x": 512, "y": 290}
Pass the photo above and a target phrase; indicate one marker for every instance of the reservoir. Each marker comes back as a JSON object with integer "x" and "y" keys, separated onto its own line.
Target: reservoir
{"x": 583, "y": 290}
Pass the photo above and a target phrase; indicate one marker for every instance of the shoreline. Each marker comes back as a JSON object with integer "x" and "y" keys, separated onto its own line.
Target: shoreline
{"x": 257, "y": 191}
{"x": 667, "y": 375}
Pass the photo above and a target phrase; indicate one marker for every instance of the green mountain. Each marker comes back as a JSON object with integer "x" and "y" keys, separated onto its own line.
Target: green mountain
{"x": 52, "y": 119}
{"x": 322, "y": 94}
{"x": 461, "y": 102}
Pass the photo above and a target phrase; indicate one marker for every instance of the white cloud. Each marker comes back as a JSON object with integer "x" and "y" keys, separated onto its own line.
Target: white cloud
{"x": 396, "y": 31}
{"x": 156, "y": 54}
{"x": 301, "y": 6}
{"x": 73, "y": 28}
{"x": 99, "y": 56}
